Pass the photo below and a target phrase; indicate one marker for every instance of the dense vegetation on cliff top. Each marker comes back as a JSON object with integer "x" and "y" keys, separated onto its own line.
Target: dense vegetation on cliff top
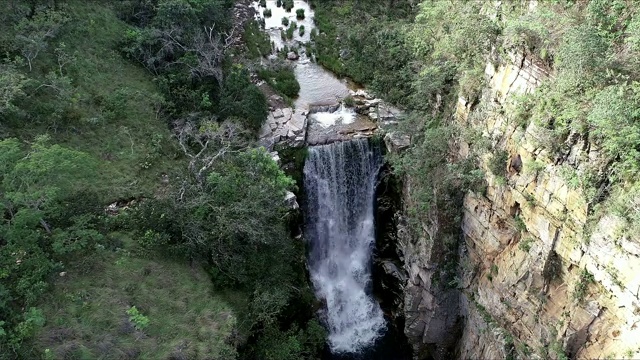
{"x": 127, "y": 100}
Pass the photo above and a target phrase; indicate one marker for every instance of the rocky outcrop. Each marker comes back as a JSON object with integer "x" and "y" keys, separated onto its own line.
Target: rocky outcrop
{"x": 537, "y": 283}
{"x": 286, "y": 126}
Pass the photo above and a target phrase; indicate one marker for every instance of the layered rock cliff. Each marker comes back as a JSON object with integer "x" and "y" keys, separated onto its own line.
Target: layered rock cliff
{"x": 534, "y": 281}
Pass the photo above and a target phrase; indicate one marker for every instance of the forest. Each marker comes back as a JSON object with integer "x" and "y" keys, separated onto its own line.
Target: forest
{"x": 140, "y": 219}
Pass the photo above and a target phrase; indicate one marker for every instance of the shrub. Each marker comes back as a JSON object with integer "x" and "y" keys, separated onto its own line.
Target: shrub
{"x": 301, "y": 30}
{"x": 525, "y": 244}
{"x": 282, "y": 79}
{"x": 243, "y": 100}
{"x": 300, "y": 14}
{"x": 139, "y": 321}
{"x": 279, "y": 3}
{"x": 291, "y": 29}
{"x": 348, "y": 101}
{"x": 580, "y": 290}
{"x": 263, "y": 3}
{"x": 288, "y": 5}
{"x": 520, "y": 224}
{"x": 285, "y": 21}
{"x": 267, "y": 13}
{"x": 498, "y": 163}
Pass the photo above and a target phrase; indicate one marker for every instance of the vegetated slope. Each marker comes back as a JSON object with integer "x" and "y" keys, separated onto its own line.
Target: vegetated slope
{"x": 127, "y": 307}
{"x": 85, "y": 95}
{"x": 138, "y": 103}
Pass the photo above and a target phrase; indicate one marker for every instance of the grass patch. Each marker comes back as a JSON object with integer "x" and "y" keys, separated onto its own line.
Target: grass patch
{"x": 128, "y": 306}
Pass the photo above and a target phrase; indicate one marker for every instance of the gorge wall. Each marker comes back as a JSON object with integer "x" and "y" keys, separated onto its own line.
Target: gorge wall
{"x": 537, "y": 277}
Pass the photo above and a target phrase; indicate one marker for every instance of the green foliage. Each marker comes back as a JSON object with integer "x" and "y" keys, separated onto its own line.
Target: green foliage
{"x": 241, "y": 99}
{"x": 519, "y": 223}
{"x": 285, "y": 21}
{"x": 614, "y": 117}
{"x": 493, "y": 271}
{"x": 233, "y": 220}
{"x": 498, "y": 163}
{"x": 533, "y": 31}
{"x": 267, "y": 13}
{"x": 282, "y": 78}
{"x": 140, "y": 321}
{"x": 293, "y": 344}
{"x": 300, "y": 14}
{"x": 301, "y": 30}
{"x": 525, "y": 244}
{"x": 582, "y": 285}
{"x": 34, "y": 33}
{"x": 287, "y": 5}
{"x": 455, "y": 36}
{"x": 257, "y": 42}
{"x": 291, "y": 30}
{"x": 190, "y": 64}
{"x": 39, "y": 229}
{"x": 12, "y": 85}
{"x": 436, "y": 191}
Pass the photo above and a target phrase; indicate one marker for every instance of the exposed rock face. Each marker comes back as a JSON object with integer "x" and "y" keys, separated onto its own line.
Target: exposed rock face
{"x": 431, "y": 311}
{"x": 397, "y": 142}
{"x": 526, "y": 247}
{"x": 361, "y": 127}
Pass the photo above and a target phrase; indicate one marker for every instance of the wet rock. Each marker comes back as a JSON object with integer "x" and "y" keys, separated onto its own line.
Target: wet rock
{"x": 324, "y": 108}
{"x": 391, "y": 269}
{"x": 292, "y": 56}
{"x": 362, "y": 93}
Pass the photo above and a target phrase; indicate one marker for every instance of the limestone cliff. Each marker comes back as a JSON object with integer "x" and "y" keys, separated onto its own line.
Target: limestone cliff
{"x": 536, "y": 281}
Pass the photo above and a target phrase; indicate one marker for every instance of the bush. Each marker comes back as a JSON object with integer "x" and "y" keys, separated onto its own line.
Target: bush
{"x": 282, "y": 79}
{"x": 291, "y": 29}
{"x": 301, "y": 30}
{"x": 498, "y": 163}
{"x": 243, "y": 100}
{"x": 288, "y": 5}
{"x": 581, "y": 287}
{"x": 263, "y": 3}
{"x": 300, "y": 14}
{"x": 267, "y": 13}
{"x": 285, "y": 21}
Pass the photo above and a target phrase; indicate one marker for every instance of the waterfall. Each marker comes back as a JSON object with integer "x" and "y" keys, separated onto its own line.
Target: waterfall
{"x": 340, "y": 181}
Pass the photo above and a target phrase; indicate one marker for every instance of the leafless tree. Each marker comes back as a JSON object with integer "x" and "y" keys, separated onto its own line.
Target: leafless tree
{"x": 204, "y": 142}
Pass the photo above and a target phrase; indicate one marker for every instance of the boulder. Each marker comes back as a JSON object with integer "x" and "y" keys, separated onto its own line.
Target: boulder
{"x": 292, "y": 56}
{"x": 397, "y": 142}
{"x": 290, "y": 201}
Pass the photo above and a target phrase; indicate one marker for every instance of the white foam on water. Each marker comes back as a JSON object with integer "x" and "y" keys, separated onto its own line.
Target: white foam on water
{"x": 343, "y": 115}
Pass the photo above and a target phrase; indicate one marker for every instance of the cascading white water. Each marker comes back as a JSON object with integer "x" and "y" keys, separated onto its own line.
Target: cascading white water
{"x": 340, "y": 181}
{"x": 343, "y": 115}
